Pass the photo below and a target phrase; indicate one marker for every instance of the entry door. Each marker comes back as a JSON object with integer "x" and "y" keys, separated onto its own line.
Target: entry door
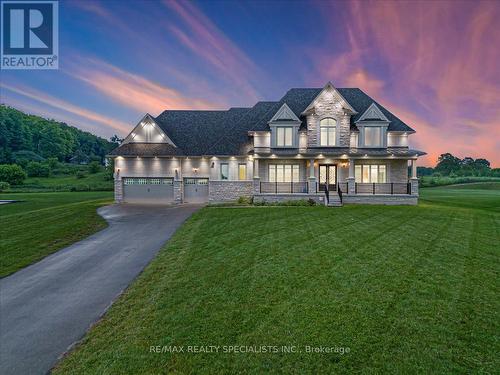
{"x": 327, "y": 177}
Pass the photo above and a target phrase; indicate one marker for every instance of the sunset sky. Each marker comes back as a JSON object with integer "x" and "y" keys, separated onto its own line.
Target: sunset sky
{"x": 435, "y": 64}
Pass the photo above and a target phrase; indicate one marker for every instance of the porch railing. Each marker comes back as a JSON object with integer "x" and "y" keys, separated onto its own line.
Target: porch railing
{"x": 382, "y": 188}
{"x": 283, "y": 187}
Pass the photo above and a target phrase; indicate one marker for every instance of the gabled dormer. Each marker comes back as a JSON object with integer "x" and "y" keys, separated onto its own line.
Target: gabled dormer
{"x": 372, "y": 125}
{"x": 147, "y": 131}
{"x": 284, "y": 127}
{"x": 328, "y": 119}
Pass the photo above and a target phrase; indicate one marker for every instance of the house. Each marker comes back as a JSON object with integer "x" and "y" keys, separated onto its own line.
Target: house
{"x": 333, "y": 145}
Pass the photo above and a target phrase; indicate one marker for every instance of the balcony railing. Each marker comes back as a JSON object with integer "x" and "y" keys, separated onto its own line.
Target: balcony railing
{"x": 382, "y": 188}
{"x": 283, "y": 187}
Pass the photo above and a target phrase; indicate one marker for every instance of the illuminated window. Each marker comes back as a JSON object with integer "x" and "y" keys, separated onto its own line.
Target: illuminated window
{"x": 283, "y": 173}
{"x": 328, "y": 128}
{"x": 370, "y": 173}
{"x": 373, "y": 136}
{"x": 224, "y": 171}
{"x": 284, "y": 137}
{"x": 242, "y": 171}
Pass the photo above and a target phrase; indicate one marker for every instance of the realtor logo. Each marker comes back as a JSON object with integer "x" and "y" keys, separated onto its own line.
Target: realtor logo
{"x": 30, "y": 37}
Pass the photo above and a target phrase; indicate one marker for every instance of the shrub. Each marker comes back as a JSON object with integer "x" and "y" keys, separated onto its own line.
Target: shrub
{"x": 245, "y": 200}
{"x": 12, "y": 174}
{"x": 80, "y": 174}
{"x": 36, "y": 169}
{"x": 4, "y": 186}
{"x": 53, "y": 163}
{"x": 94, "y": 167}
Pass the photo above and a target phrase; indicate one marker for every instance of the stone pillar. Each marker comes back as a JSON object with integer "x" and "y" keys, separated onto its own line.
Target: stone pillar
{"x": 255, "y": 168}
{"x": 118, "y": 184}
{"x": 178, "y": 191}
{"x": 311, "y": 181}
{"x": 351, "y": 179}
{"x": 414, "y": 178}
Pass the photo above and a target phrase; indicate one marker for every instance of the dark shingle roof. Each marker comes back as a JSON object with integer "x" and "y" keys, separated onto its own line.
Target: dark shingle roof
{"x": 226, "y": 132}
{"x": 146, "y": 149}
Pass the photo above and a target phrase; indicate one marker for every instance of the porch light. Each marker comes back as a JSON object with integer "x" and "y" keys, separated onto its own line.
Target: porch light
{"x": 195, "y": 170}
{"x": 212, "y": 165}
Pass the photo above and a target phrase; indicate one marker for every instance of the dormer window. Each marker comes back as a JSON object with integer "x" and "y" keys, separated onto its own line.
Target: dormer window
{"x": 328, "y": 129}
{"x": 284, "y": 136}
{"x": 373, "y": 136}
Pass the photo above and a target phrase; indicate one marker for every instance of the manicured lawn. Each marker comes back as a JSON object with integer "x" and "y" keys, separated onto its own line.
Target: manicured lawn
{"x": 406, "y": 289}
{"x": 44, "y": 223}
{"x": 93, "y": 182}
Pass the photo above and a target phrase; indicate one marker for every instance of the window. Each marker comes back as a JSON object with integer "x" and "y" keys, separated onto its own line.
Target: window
{"x": 373, "y": 136}
{"x": 224, "y": 171}
{"x": 242, "y": 172}
{"x": 328, "y": 127}
{"x": 284, "y": 137}
{"x": 283, "y": 173}
{"x": 370, "y": 173}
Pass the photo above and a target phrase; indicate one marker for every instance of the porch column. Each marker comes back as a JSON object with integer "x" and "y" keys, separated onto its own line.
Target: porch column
{"x": 414, "y": 178}
{"x": 311, "y": 182}
{"x": 351, "y": 179}
{"x": 256, "y": 177}
{"x": 118, "y": 186}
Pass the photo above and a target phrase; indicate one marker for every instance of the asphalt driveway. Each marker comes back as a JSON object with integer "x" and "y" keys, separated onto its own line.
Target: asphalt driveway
{"x": 48, "y": 306}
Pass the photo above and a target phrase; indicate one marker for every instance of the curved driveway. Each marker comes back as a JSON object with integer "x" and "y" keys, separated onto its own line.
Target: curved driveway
{"x": 48, "y": 306}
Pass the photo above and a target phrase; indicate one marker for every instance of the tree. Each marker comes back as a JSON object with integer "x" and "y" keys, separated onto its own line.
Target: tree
{"x": 94, "y": 167}
{"x": 36, "y": 169}
{"x": 448, "y": 163}
{"x": 12, "y": 173}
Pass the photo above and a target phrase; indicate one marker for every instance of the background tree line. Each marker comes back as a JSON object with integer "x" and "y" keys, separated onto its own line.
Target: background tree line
{"x": 25, "y": 138}
{"x": 449, "y": 165}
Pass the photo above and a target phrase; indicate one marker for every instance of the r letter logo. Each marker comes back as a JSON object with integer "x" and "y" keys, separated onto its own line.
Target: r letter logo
{"x": 30, "y": 37}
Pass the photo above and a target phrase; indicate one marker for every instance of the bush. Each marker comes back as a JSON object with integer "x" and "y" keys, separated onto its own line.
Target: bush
{"x": 80, "y": 174}
{"x": 12, "y": 174}
{"x": 245, "y": 200}
{"x": 36, "y": 169}
{"x": 53, "y": 163}
{"x": 4, "y": 186}
{"x": 94, "y": 167}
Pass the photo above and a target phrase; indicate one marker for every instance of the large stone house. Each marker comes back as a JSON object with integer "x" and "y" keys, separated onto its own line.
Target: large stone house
{"x": 333, "y": 145}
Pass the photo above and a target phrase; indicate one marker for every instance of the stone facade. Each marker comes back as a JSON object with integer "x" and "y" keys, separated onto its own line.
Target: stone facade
{"x": 380, "y": 199}
{"x": 414, "y": 186}
{"x": 226, "y": 190}
{"x": 118, "y": 185}
{"x": 178, "y": 193}
{"x": 329, "y": 104}
{"x": 274, "y": 198}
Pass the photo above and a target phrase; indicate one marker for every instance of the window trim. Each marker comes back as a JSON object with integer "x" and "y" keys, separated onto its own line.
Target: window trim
{"x": 329, "y": 128}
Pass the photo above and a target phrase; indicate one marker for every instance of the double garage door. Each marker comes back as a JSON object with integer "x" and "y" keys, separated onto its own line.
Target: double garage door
{"x": 148, "y": 190}
{"x": 161, "y": 190}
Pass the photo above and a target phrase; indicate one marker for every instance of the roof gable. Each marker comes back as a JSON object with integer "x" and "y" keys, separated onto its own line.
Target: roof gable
{"x": 284, "y": 114}
{"x": 329, "y": 89}
{"x": 147, "y": 131}
{"x": 373, "y": 113}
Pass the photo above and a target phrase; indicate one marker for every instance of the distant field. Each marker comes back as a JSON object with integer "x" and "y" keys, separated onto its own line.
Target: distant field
{"x": 90, "y": 182}
{"x": 407, "y": 290}
{"x": 45, "y": 222}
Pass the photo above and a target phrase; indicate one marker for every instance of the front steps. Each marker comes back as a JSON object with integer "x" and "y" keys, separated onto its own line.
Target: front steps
{"x": 334, "y": 200}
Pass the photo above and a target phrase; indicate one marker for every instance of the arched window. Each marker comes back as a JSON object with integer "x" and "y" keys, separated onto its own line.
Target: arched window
{"x": 328, "y": 127}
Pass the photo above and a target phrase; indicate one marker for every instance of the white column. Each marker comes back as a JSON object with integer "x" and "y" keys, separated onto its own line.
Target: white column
{"x": 351, "y": 168}
{"x": 351, "y": 187}
{"x": 414, "y": 168}
{"x": 255, "y": 168}
{"x": 414, "y": 179}
{"x": 311, "y": 168}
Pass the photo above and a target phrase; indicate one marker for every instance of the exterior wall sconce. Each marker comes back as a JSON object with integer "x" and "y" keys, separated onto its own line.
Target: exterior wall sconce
{"x": 212, "y": 165}
{"x": 195, "y": 170}
{"x": 176, "y": 173}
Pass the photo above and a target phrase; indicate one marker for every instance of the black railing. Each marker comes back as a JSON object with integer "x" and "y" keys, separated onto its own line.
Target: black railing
{"x": 339, "y": 190}
{"x": 390, "y": 188}
{"x": 283, "y": 187}
{"x": 343, "y": 186}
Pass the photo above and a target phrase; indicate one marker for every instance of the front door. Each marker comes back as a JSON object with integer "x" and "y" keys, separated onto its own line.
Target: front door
{"x": 327, "y": 177}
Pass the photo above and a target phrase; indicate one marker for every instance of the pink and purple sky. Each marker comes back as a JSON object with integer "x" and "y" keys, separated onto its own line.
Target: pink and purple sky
{"x": 435, "y": 64}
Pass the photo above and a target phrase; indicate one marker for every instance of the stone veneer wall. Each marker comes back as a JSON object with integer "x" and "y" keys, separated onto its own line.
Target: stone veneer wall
{"x": 380, "y": 199}
{"x": 274, "y": 198}
{"x": 118, "y": 189}
{"x": 329, "y": 104}
{"x": 398, "y": 171}
{"x": 227, "y": 190}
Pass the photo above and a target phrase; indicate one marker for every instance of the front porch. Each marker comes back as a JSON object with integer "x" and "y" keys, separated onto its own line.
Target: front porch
{"x": 332, "y": 181}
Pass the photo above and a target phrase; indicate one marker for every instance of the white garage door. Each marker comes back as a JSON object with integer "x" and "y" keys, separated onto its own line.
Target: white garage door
{"x": 196, "y": 190}
{"x": 148, "y": 190}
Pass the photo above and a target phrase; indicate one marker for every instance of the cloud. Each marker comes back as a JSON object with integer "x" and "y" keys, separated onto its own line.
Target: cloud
{"x": 132, "y": 90}
{"x": 433, "y": 64}
{"x": 203, "y": 38}
{"x": 67, "y": 107}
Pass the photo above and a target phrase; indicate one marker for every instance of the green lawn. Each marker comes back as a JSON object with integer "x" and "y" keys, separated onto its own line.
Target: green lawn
{"x": 406, "y": 289}
{"x": 45, "y": 222}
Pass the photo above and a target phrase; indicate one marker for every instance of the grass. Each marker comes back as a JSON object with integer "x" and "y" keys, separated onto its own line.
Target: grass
{"x": 405, "y": 289}
{"x": 66, "y": 182}
{"x": 44, "y": 223}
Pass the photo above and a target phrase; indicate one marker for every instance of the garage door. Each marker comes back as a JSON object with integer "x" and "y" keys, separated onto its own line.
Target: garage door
{"x": 196, "y": 190}
{"x": 148, "y": 190}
